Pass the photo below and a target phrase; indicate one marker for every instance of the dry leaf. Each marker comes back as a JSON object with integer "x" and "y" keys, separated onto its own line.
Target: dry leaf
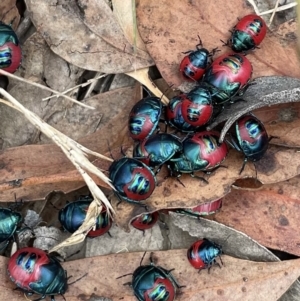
{"x": 236, "y": 280}
{"x": 269, "y": 215}
{"x": 168, "y": 30}
{"x": 63, "y": 27}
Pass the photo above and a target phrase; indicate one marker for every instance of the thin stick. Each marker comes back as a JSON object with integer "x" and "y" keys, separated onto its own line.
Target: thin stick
{"x": 92, "y": 85}
{"x": 274, "y": 12}
{"x": 44, "y": 88}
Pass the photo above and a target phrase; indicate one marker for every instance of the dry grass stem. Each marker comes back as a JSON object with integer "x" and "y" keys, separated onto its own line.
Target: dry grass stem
{"x": 90, "y": 81}
{"x": 280, "y": 8}
{"x": 44, "y": 88}
{"x": 274, "y": 12}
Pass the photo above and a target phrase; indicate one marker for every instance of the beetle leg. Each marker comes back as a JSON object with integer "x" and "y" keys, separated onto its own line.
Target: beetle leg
{"x": 217, "y": 263}
{"x": 244, "y": 164}
{"x": 186, "y": 52}
{"x": 213, "y": 52}
{"x": 225, "y": 43}
{"x": 221, "y": 260}
{"x": 198, "y": 177}
{"x": 177, "y": 178}
{"x": 127, "y": 283}
{"x": 62, "y": 296}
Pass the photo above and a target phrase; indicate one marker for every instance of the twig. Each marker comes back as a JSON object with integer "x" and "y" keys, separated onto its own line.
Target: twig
{"x": 78, "y": 86}
{"x": 274, "y": 12}
{"x": 44, "y": 88}
{"x": 93, "y": 84}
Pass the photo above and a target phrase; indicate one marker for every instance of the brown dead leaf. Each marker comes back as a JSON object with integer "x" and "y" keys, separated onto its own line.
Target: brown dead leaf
{"x": 104, "y": 48}
{"x": 9, "y": 13}
{"x": 168, "y": 30}
{"x": 269, "y": 215}
{"x": 236, "y": 280}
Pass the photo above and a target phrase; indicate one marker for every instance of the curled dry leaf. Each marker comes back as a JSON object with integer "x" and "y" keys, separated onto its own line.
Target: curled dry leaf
{"x": 168, "y": 30}
{"x": 265, "y": 91}
{"x": 236, "y": 280}
{"x": 9, "y": 13}
{"x": 275, "y": 209}
{"x": 100, "y": 46}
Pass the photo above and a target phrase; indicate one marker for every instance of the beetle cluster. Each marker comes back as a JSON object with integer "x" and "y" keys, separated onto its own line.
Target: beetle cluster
{"x": 219, "y": 83}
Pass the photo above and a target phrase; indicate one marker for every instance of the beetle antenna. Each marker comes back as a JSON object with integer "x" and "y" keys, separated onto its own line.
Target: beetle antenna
{"x": 144, "y": 257}
{"x": 77, "y": 279}
{"x": 124, "y": 276}
{"x": 224, "y": 43}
